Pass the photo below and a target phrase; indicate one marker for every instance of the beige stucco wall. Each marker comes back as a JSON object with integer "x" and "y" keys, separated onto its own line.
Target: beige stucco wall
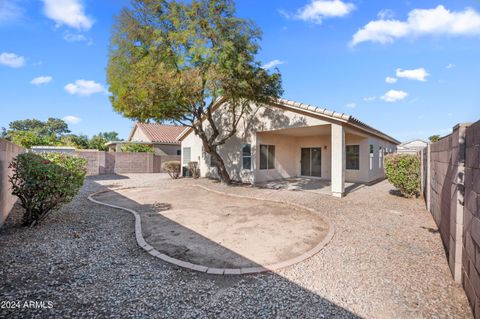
{"x": 139, "y": 136}
{"x": 265, "y": 126}
{"x": 166, "y": 149}
{"x": 288, "y": 155}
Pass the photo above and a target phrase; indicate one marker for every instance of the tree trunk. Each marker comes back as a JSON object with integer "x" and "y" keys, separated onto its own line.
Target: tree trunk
{"x": 222, "y": 171}
{"x": 212, "y": 151}
{"x": 28, "y": 217}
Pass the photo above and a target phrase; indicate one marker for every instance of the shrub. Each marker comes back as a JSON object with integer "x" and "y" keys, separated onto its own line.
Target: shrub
{"x": 194, "y": 170}
{"x": 403, "y": 171}
{"x": 172, "y": 168}
{"x": 137, "y": 148}
{"x": 45, "y": 182}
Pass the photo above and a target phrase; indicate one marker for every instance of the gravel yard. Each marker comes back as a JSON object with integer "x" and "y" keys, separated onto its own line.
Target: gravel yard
{"x": 385, "y": 260}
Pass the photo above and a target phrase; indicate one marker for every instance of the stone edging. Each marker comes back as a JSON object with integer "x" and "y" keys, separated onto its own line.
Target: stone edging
{"x": 219, "y": 271}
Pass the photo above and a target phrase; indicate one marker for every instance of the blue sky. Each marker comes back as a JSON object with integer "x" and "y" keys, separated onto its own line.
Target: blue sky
{"x": 331, "y": 53}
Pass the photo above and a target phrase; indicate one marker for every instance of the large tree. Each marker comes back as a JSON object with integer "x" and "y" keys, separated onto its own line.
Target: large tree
{"x": 173, "y": 61}
{"x": 51, "y": 127}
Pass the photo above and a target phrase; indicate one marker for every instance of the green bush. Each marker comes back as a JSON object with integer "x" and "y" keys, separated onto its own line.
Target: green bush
{"x": 172, "y": 168}
{"x": 194, "y": 170}
{"x": 403, "y": 171}
{"x": 45, "y": 182}
{"x": 137, "y": 148}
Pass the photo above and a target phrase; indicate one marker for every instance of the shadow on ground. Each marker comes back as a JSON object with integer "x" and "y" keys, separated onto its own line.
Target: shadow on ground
{"x": 220, "y": 231}
{"x": 136, "y": 284}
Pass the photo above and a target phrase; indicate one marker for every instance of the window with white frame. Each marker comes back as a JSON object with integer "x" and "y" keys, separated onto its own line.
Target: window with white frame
{"x": 247, "y": 156}
{"x": 267, "y": 156}
{"x": 353, "y": 157}
{"x": 380, "y": 157}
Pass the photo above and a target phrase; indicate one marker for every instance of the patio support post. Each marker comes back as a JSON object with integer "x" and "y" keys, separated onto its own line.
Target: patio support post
{"x": 338, "y": 160}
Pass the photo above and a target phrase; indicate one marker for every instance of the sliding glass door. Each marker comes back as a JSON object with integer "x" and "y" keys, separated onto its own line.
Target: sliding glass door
{"x": 311, "y": 161}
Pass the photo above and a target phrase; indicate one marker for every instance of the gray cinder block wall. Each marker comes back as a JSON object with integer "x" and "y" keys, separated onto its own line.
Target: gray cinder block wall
{"x": 451, "y": 171}
{"x": 471, "y": 221}
{"x": 8, "y": 151}
{"x": 100, "y": 163}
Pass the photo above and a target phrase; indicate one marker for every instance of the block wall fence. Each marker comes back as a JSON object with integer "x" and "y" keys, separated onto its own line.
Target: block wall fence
{"x": 451, "y": 186}
{"x": 8, "y": 151}
{"x": 99, "y": 163}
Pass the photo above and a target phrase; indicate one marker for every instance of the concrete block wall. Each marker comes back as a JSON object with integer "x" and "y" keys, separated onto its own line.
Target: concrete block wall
{"x": 8, "y": 151}
{"x": 452, "y": 195}
{"x": 94, "y": 158}
{"x": 100, "y": 163}
{"x": 133, "y": 163}
{"x": 471, "y": 213}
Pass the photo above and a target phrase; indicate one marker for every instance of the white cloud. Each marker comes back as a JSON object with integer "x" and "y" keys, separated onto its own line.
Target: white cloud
{"x": 72, "y": 119}
{"x": 385, "y": 14}
{"x": 450, "y": 66}
{"x": 12, "y": 60}
{"x": 76, "y": 37}
{"x": 369, "y": 98}
{"x": 394, "y": 96}
{"x": 84, "y": 87}
{"x": 391, "y": 80}
{"x": 272, "y": 64}
{"x": 41, "y": 80}
{"x": 436, "y": 21}
{"x": 72, "y": 37}
{"x": 68, "y": 12}
{"x": 317, "y": 10}
{"x": 10, "y": 10}
{"x": 351, "y": 105}
{"x": 419, "y": 74}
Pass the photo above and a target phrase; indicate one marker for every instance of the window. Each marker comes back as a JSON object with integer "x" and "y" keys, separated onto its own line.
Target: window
{"x": 186, "y": 155}
{"x": 353, "y": 157}
{"x": 371, "y": 156}
{"x": 380, "y": 157}
{"x": 179, "y": 152}
{"x": 213, "y": 161}
{"x": 267, "y": 156}
{"x": 247, "y": 156}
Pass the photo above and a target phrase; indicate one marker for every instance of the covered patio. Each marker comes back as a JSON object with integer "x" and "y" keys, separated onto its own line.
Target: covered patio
{"x": 312, "y": 158}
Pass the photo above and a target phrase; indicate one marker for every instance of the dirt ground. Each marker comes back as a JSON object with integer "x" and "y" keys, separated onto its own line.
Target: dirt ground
{"x": 202, "y": 227}
{"x": 385, "y": 260}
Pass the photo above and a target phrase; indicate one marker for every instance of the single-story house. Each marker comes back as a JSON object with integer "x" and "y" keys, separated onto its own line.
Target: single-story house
{"x": 163, "y": 138}
{"x": 290, "y": 139}
{"x": 412, "y": 147}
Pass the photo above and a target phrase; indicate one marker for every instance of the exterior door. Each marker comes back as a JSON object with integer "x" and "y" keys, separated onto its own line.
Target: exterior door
{"x": 311, "y": 161}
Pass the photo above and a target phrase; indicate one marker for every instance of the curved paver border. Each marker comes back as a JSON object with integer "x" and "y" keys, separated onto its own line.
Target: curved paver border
{"x": 212, "y": 270}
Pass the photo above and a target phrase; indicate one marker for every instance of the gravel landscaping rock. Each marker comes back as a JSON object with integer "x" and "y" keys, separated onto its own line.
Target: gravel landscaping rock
{"x": 386, "y": 260}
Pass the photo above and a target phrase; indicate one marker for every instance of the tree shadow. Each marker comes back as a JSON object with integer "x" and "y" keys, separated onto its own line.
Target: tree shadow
{"x": 260, "y": 119}
{"x": 171, "y": 244}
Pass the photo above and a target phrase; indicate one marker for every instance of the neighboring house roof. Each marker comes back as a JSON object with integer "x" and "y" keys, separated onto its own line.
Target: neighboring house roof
{"x": 158, "y": 133}
{"x": 405, "y": 144}
{"x": 321, "y": 112}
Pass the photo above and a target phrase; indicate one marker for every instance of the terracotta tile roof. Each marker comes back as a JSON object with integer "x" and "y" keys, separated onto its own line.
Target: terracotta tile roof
{"x": 160, "y": 133}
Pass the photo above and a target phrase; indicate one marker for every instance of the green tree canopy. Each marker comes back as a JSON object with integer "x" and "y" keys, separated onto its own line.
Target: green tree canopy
{"x": 52, "y": 126}
{"x": 172, "y": 61}
{"x": 53, "y": 132}
{"x": 434, "y": 138}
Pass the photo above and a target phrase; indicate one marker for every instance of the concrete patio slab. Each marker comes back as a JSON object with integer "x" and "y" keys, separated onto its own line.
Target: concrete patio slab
{"x": 313, "y": 185}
